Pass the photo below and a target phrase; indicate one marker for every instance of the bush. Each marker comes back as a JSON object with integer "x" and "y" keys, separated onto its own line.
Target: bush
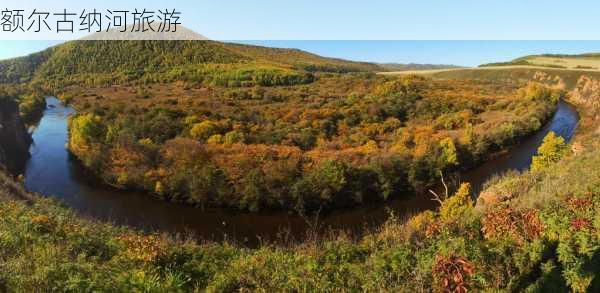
{"x": 203, "y": 130}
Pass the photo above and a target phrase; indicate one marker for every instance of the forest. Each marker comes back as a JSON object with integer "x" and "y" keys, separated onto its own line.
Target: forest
{"x": 340, "y": 141}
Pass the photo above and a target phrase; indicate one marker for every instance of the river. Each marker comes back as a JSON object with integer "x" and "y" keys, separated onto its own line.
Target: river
{"x": 52, "y": 171}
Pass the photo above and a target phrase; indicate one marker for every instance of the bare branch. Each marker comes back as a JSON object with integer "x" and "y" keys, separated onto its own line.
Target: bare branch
{"x": 445, "y": 186}
{"x": 436, "y": 197}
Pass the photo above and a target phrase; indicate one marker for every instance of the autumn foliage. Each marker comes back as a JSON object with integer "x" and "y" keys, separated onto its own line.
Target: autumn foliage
{"x": 452, "y": 274}
{"x": 305, "y": 148}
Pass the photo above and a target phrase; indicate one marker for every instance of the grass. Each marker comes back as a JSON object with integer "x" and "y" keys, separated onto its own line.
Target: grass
{"x": 567, "y": 62}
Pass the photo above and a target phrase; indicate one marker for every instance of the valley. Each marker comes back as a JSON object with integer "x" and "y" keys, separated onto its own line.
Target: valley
{"x": 227, "y": 167}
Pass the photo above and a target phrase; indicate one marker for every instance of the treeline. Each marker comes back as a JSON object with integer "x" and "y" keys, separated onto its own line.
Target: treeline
{"x": 236, "y": 75}
{"x": 297, "y": 148}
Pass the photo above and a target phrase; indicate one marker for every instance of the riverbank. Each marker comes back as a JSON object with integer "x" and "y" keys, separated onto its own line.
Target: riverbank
{"x": 14, "y": 139}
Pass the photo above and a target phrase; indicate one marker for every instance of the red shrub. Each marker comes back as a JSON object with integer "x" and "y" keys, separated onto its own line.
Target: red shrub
{"x": 452, "y": 274}
{"x": 518, "y": 225}
{"x": 580, "y": 224}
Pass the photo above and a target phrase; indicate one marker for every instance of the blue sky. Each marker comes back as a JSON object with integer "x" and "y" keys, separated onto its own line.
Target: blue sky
{"x": 366, "y": 20}
{"x": 371, "y": 20}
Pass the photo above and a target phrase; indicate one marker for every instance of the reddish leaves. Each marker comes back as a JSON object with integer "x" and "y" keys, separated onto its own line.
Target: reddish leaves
{"x": 580, "y": 208}
{"x": 518, "y": 225}
{"x": 452, "y": 274}
{"x": 580, "y": 224}
{"x": 578, "y": 204}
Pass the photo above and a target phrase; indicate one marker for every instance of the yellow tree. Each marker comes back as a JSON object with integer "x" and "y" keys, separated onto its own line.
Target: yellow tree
{"x": 551, "y": 151}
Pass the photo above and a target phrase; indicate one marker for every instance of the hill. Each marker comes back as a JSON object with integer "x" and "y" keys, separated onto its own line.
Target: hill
{"x": 520, "y": 73}
{"x": 567, "y": 68}
{"x": 590, "y": 61}
{"x": 205, "y": 62}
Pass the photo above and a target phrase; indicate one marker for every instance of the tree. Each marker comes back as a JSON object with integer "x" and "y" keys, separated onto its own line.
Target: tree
{"x": 449, "y": 154}
{"x": 458, "y": 205}
{"x": 215, "y": 139}
{"x": 86, "y": 129}
{"x": 551, "y": 151}
{"x": 321, "y": 185}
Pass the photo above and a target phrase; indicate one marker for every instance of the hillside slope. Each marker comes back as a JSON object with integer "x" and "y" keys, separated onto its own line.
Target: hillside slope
{"x": 416, "y": 66}
{"x": 590, "y": 61}
{"x": 160, "y": 61}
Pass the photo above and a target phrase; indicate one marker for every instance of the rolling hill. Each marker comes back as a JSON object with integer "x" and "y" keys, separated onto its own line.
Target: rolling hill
{"x": 589, "y": 61}
{"x": 163, "y": 61}
{"x": 564, "y": 69}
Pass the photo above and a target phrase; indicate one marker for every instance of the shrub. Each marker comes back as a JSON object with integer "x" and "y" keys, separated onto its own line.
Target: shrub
{"x": 203, "y": 130}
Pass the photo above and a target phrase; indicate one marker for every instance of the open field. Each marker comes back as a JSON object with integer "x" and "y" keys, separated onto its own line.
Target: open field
{"x": 489, "y": 68}
{"x": 590, "y": 63}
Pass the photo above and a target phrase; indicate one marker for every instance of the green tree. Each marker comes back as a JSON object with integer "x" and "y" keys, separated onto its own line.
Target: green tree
{"x": 449, "y": 154}
{"x": 551, "y": 151}
{"x": 457, "y": 205}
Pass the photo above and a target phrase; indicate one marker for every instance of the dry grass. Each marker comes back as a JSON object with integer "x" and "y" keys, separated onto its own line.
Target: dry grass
{"x": 569, "y": 63}
{"x": 571, "y": 67}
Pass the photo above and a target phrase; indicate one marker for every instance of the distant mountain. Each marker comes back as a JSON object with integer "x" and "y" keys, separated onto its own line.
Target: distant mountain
{"x": 416, "y": 66}
{"x": 130, "y": 33}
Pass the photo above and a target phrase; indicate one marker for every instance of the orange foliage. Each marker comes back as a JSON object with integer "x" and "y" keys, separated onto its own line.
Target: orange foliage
{"x": 516, "y": 225}
{"x": 452, "y": 273}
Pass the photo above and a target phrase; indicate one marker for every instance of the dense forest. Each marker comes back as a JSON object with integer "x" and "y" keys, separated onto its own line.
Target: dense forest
{"x": 205, "y": 63}
{"x": 340, "y": 141}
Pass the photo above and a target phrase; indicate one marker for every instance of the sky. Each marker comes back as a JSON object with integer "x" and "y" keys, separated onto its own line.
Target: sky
{"x": 281, "y": 21}
{"x": 365, "y": 20}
